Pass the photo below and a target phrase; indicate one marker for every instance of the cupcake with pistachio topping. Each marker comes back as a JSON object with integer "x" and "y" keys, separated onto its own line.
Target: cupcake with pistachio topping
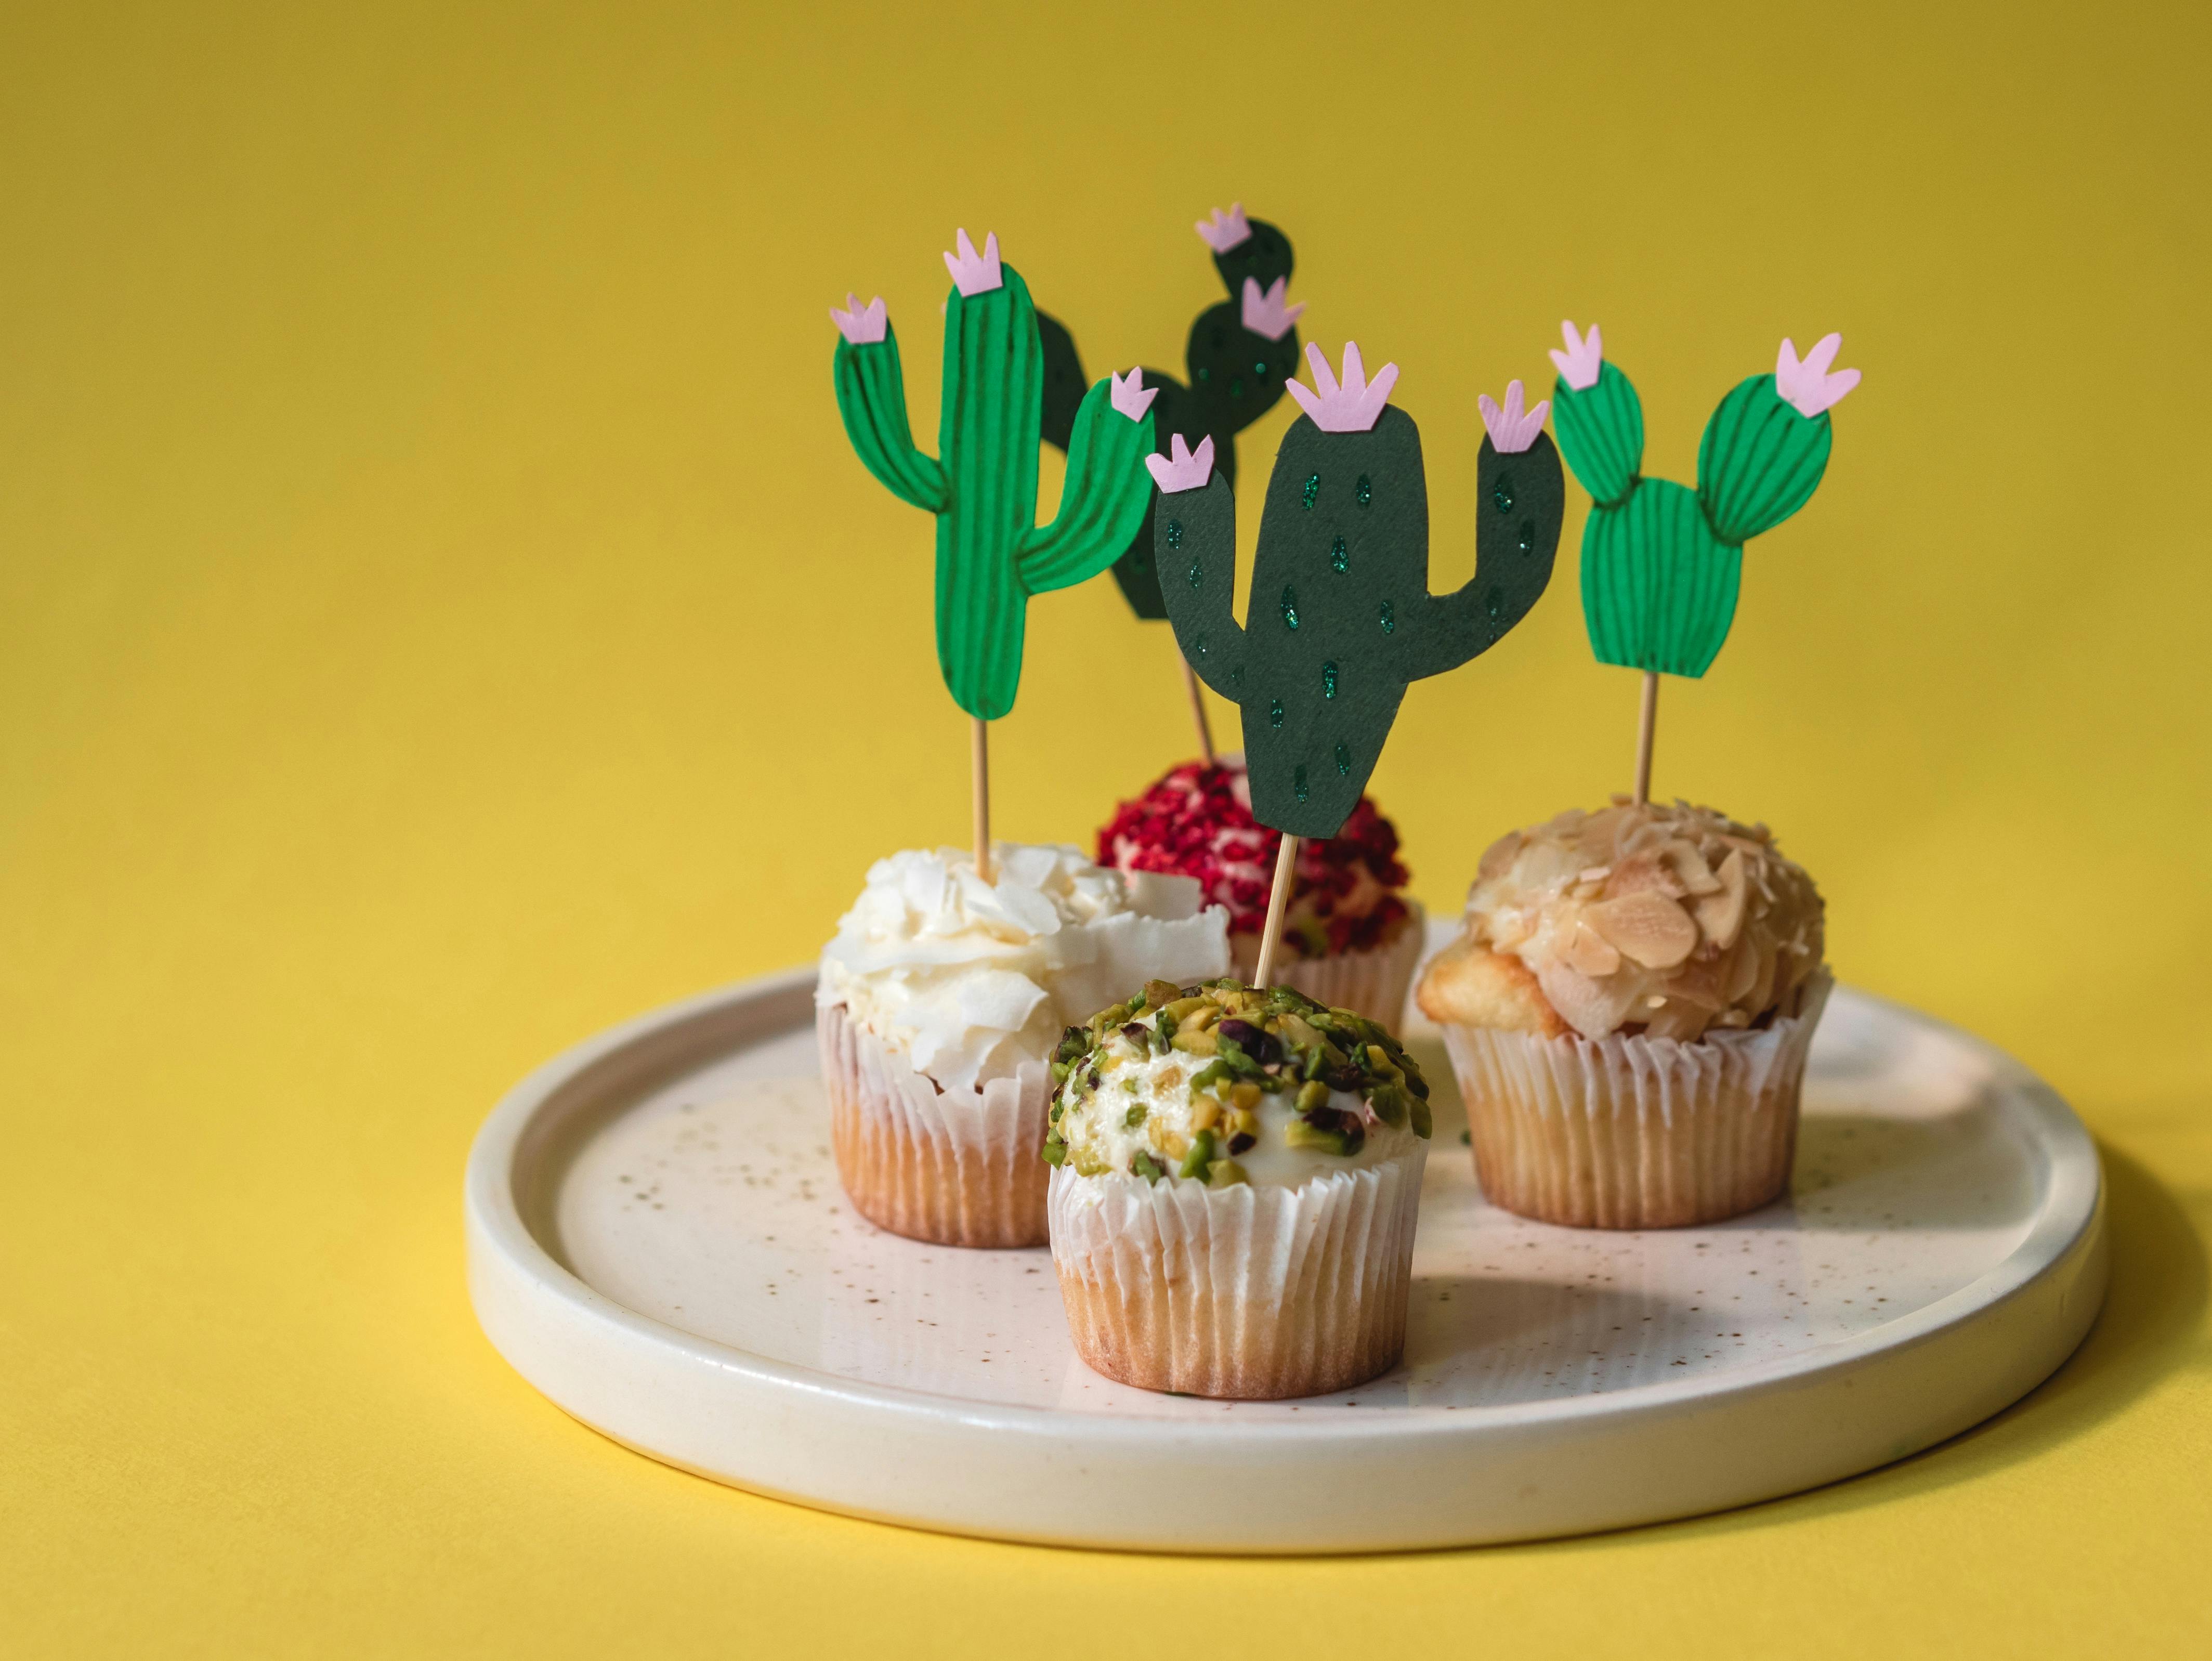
{"x": 1236, "y": 1174}
{"x": 1629, "y": 1013}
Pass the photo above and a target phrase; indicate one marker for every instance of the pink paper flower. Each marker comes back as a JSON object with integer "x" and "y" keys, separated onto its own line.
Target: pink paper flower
{"x": 861, "y": 325}
{"x": 1264, "y": 311}
{"x": 1808, "y": 386}
{"x": 1129, "y": 394}
{"x": 1512, "y": 430}
{"x": 1356, "y": 405}
{"x": 1224, "y": 232}
{"x": 975, "y": 273}
{"x": 1579, "y": 364}
{"x": 1183, "y": 469}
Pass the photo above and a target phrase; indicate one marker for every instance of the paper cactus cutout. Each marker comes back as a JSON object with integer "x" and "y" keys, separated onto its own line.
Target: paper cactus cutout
{"x": 1351, "y": 406}
{"x": 1807, "y": 386}
{"x": 991, "y": 553}
{"x": 1223, "y": 232}
{"x": 1341, "y": 619}
{"x": 1185, "y": 470}
{"x": 1662, "y": 565}
{"x": 863, "y": 326}
{"x": 973, "y": 273}
{"x": 1266, "y": 313}
{"x": 1513, "y": 427}
{"x": 1240, "y": 353}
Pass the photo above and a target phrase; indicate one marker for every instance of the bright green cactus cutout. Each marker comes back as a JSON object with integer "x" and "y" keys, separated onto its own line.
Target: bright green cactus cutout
{"x": 1662, "y": 564}
{"x": 991, "y": 553}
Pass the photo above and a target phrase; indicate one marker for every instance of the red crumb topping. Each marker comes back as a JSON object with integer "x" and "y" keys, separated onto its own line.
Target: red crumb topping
{"x": 1197, "y": 822}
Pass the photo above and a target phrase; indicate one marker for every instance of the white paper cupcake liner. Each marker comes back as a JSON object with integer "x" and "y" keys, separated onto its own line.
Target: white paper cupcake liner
{"x": 1250, "y": 1293}
{"x": 1374, "y": 981}
{"x": 952, "y": 1167}
{"x": 1630, "y": 1131}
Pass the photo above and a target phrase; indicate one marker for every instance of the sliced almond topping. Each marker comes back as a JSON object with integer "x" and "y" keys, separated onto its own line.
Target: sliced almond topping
{"x": 1648, "y": 928}
{"x": 1721, "y": 916}
{"x": 1643, "y": 873}
{"x": 1690, "y": 868}
{"x": 1498, "y": 858}
{"x": 1589, "y": 953}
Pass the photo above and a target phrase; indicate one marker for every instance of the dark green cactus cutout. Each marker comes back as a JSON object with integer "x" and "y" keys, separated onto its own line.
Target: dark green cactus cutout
{"x": 1342, "y": 618}
{"x": 1235, "y": 376}
{"x": 991, "y": 554}
{"x": 1662, "y": 564}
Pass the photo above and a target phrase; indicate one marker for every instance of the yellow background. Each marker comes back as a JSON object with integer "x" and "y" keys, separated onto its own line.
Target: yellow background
{"x": 440, "y": 616}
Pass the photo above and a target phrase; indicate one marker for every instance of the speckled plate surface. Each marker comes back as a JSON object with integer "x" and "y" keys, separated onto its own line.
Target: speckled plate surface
{"x": 657, "y": 1241}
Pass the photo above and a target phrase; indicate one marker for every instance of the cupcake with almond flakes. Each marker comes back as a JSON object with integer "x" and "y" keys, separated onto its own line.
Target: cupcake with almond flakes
{"x": 1352, "y": 937}
{"x": 1235, "y": 1179}
{"x": 1629, "y": 1013}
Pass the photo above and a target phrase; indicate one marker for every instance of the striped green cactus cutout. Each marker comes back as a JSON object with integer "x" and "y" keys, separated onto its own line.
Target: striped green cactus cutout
{"x": 1661, "y": 563}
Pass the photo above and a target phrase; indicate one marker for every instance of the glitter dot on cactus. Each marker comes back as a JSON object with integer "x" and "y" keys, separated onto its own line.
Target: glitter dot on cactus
{"x": 1344, "y": 761}
{"x": 1299, "y": 784}
{"x": 1175, "y": 534}
{"x": 1237, "y": 388}
{"x": 1200, "y": 642}
{"x": 1236, "y": 676}
{"x": 1275, "y": 712}
{"x": 1494, "y": 603}
{"x": 1389, "y": 622}
{"x": 1527, "y": 536}
{"x": 1502, "y": 494}
{"x": 1290, "y": 607}
{"x": 1197, "y": 575}
{"x": 1340, "y": 559}
{"x": 1312, "y": 490}
{"x": 1260, "y": 370}
{"x": 1362, "y": 493}
{"x": 1328, "y": 680}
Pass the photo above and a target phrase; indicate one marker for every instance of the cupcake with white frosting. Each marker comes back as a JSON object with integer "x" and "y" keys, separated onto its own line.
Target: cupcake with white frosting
{"x": 939, "y": 1004}
{"x": 1629, "y": 1013}
{"x": 1235, "y": 1177}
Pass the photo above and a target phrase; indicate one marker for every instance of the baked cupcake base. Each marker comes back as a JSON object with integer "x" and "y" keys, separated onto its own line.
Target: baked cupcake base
{"x": 1248, "y": 1292}
{"x": 954, "y": 1169}
{"x": 1374, "y": 981}
{"x": 1629, "y": 1132}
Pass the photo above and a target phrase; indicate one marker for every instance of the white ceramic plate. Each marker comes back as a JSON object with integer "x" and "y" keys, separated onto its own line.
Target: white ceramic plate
{"x": 657, "y": 1240}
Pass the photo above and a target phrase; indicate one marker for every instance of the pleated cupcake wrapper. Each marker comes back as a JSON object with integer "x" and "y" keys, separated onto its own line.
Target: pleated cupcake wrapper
{"x": 951, "y": 1167}
{"x": 1250, "y": 1292}
{"x": 1630, "y": 1131}
{"x": 1374, "y": 981}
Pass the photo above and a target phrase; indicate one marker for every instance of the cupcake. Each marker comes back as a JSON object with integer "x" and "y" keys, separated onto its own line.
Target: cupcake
{"x": 1235, "y": 1176}
{"x": 1628, "y": 1013}
{"x": 1352, "y": 936}
{"x": 937, "y": 1009}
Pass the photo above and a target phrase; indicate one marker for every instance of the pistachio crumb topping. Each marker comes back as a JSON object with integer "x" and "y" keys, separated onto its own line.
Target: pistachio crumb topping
{"x": 1219, "y": 1069}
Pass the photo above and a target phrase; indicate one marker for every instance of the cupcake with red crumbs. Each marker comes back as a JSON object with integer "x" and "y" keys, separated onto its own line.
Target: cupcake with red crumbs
{"x": 1629, "y": 1013}
{"x": 1352, "y": 937}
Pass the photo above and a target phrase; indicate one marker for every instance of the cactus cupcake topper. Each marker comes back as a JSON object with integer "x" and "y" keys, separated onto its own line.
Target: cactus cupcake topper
{"x": 991, "y": 553}
{"x": 1661, "y": 563}
{"x": 1340, "y": 618}
{"x": 1240, "y": 354}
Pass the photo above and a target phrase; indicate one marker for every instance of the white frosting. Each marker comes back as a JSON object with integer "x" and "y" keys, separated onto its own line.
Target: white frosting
{"x": 971, "y": 978}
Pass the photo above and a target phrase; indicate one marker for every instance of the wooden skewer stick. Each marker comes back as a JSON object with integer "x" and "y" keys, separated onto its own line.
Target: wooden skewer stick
{"x": 980, "y": 769}
{"x": 1198, "y": 709}
{"x": 1645, "y": 723}
{"x": 1278, "y": 900}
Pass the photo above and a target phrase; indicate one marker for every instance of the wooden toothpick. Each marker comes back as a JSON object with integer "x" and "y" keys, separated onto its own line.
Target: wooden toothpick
{"x": 980, "y": 769}
{"x": 1645, "y": 723}
{"x": 1271, "y": 935}
{"x": 1198, "y": 709}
